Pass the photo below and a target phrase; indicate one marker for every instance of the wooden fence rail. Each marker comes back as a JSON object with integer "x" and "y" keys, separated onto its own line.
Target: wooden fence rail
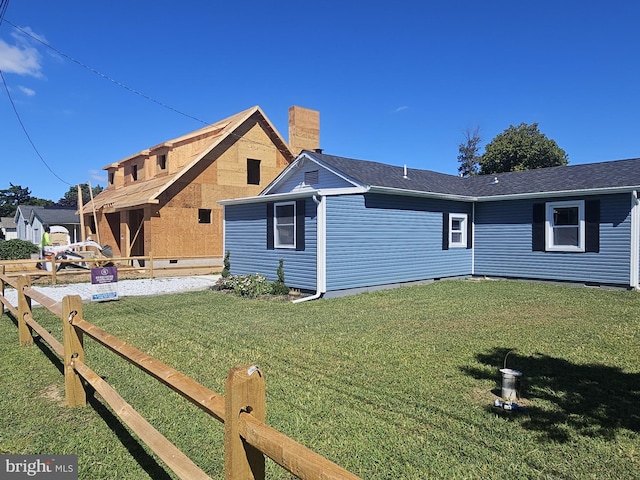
{"x": 149, "y": 266}
{"x": 247, "y": 439}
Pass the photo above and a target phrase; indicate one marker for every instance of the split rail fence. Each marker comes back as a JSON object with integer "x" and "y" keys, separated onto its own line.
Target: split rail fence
{"x": 247, "y": 439}
{"x": 147, "y": 266}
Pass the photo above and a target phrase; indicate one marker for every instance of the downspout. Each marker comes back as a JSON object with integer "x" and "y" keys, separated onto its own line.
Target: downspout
{"x": 473, "y": 239}
{"x": 634, "y": 267}
{"x": 320, "y": 251}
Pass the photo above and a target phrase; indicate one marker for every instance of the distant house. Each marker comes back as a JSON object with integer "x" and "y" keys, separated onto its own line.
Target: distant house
{"x": 343, "y": 225}
{"x": 30, "y": 221}
{"x": 163, "y": 200}
{"x": 8, "y": 227}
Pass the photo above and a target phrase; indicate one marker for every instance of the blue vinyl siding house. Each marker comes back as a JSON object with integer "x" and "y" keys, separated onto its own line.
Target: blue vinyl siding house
{"x": 343, "y": 225}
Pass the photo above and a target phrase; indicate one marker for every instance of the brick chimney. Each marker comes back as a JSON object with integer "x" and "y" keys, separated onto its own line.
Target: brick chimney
{"x": 304, "y": 129}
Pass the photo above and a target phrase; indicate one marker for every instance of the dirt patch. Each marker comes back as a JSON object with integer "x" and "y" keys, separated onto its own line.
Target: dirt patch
{"x": 53, "y": 394}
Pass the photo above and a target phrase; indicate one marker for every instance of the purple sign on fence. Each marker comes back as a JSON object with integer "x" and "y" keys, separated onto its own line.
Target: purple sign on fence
{"x": 104, "y": 284}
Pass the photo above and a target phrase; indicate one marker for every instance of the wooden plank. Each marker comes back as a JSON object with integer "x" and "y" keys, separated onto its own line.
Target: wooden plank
{"x": 47, "y": 302}
{"x": 291, "y": 455}
{"x": 2, "y": 267}
{"x": 204, "y": 398}
{"x": 177, "y": 461}
{"x": 45, "y": 335}
{"x": 24, "y": 309}
{"x": 244, "y": 392}
{"x": 10, "y": 307}
{"x": 74, "y": 392}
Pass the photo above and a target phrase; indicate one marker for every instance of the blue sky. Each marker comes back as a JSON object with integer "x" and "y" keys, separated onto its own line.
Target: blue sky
{"x": 396, "y": 82}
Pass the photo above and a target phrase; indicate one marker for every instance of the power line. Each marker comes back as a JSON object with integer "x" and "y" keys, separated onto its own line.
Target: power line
{"x": 27, "y": 133}
{"x": 3, "y": 8}
{"x": 122, "y": 85}
{"x": 107, "y": 77}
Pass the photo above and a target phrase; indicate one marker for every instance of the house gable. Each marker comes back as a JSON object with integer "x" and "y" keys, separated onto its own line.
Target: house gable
{"x": 308, "y": 174}
{"x": 165, "y": 199}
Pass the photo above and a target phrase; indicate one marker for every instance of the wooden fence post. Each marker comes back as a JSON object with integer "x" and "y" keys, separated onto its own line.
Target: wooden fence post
{"x": 53, "y": 269}
{"x": 74, "y": 392}
{"x": 24, "y": 309}
{"x": 2, "y": 285}
{"x": 244, "y": 392}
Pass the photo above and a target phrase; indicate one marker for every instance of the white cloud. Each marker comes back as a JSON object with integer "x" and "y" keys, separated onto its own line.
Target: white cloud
{"x": 399, "y": 109}
{"x": 27, "y": 91}
{"x": 21, "y": 57}
{"x": 99, "y": 176}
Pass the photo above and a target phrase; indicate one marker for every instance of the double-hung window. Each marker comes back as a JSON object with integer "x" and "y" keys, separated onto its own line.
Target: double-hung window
{"x": 565, "y": 226}
{"x": 284, "y": 222}
{"x": 286, "y": 225}
{"x": 458, "y": 230}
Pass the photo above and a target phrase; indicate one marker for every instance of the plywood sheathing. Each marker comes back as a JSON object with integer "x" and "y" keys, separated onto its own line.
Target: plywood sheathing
{"x": 304, "y": 129}
{"x": 202, "y": 168}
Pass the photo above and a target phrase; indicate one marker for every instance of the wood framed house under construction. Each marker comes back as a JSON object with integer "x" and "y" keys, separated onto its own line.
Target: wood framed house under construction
{"x": 164, "y": 200}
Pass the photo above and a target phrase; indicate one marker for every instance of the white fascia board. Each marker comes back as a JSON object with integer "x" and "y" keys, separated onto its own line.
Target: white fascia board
{"x": 559, "y": 193}
{"x": 332, "y": 192}
{"x": 418, "y": 193}
{"x": 276, "y": 197}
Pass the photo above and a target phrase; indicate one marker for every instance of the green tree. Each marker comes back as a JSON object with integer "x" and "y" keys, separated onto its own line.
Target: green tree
{"x": 40, "y": 202}
{"x": 11, "y": 197}
{"x": 70, "y": 198}
{"x": 468, "y": 153}
{"x": 521, "y": 148}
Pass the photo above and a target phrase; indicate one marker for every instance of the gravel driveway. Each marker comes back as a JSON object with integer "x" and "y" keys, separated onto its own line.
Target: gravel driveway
{"x": 126, "y": 288}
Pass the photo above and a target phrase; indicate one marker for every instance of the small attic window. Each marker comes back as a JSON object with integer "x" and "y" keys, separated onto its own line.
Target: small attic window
{"x": 204, "y": 215}
{"x": 162, "y": 161}
{"x": 134, "y": 172}
{"x": 253, "y": 172}
{"x": 311, "y": 177}
{"x": 111, "y": 177}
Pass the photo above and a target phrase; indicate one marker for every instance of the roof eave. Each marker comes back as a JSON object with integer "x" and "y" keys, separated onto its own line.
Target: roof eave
{"x": 419, "y": 193}
{"x": 558, "y": 193}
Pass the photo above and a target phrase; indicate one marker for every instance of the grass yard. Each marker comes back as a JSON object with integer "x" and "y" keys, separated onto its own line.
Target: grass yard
{"x": 397, "y": 384}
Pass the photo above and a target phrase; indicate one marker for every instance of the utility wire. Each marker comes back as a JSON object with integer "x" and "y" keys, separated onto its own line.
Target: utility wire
{"x": 107, "y": 77}
{"x": 27, "y": 133}
{"x": 3, "y": 8}
{"x": 120, "y": 84}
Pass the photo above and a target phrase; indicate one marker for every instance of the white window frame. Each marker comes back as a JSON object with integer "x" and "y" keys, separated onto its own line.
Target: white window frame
{"x": 550, "y": 227}
{"x": 277, "y": 223}
{"x": 463, "y": 218}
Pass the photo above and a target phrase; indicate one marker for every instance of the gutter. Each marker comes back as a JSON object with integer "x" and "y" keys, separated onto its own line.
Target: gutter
{"x": 321, "y": 251}
{"x": 634, "y": 257}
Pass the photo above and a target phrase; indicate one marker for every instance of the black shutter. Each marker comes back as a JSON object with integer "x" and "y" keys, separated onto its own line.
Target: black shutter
{"x": 269, "y": 226}
{"x": 445, "y": 231}
{"x": 469, "y": 232}
{"x": 537, "y": 228}
{"x": 300, "y": 213}
{"x": 592, "y": 226}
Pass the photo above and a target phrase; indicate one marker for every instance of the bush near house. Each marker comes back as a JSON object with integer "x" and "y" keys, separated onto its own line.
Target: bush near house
{"x": 16, "y": 249}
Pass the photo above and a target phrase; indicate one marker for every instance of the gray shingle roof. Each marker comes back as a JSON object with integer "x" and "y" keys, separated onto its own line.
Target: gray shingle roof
{"x": 591, "y": 176}
{"x": 7, "y": 222}
{"x": 56, "y": 215}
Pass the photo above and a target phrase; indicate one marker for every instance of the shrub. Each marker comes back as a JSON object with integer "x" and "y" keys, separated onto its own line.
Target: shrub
{"x": 251, "y": 286}
{"x": 226, "y": 270}
{"x": 279, "y": 287}
{"x": 16, "y": 249}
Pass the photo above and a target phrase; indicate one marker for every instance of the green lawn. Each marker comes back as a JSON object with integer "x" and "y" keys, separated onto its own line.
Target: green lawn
{"x": 397, "y": 384}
